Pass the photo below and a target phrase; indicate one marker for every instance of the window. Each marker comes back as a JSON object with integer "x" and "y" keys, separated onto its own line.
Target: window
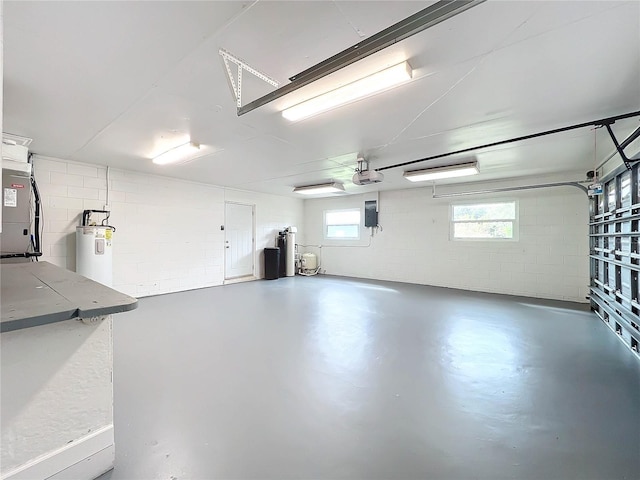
{"x": 342, "y": 224}
{"x": 496, "y": 220}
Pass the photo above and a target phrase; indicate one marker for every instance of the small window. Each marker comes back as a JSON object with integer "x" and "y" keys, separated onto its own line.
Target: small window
{"x": 342, "y": 224}
{"x": 488, "y": 221}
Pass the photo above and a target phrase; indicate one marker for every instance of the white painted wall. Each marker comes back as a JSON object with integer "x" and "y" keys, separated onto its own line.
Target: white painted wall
{"x": 550, "y": 259}
{"x": 1, "y": 87}
{"x": 56, "y": 390}
{"x": 168, "y": 235}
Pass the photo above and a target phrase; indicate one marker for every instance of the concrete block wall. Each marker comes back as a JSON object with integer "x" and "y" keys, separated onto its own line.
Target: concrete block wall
{"x": 168, "y": 235}
{"x": 549, "y": 260}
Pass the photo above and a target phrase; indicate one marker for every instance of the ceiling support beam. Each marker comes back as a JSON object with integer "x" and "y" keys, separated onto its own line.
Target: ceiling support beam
{"x": 595, "y": 123}
{"x": 416, "y": 23}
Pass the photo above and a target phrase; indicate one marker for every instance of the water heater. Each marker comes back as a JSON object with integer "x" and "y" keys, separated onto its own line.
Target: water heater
{"x": 94, "y": 254}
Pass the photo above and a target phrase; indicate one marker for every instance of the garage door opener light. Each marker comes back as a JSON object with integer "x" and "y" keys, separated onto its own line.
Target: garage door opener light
{"x": 364, "y": 87}
{"x": 438, "y": 173}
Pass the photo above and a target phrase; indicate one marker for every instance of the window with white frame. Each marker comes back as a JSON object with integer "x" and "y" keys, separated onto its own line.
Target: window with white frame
{"x": 342, "y": 224}
{"x": 485, "y": 221}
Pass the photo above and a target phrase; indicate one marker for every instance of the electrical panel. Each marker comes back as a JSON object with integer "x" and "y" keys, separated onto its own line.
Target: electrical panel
{"x": 371, "y": 213}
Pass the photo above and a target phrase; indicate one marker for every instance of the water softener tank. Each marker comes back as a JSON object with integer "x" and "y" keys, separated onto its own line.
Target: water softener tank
{"x": 291, "y": 251}
{"x": 94, "y": 254}
{"x": 282, "y": 245}
{"x": 309, "y": 261}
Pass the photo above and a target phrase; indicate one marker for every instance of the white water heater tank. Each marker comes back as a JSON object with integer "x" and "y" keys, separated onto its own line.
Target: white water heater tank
{"x": 309, "y": 261}
{"x": 94, "y": 253}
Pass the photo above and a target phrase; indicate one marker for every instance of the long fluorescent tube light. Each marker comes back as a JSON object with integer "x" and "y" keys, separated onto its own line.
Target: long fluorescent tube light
{"x": 364, "y": 87}
{"x": 438, "y": 173}
{"x": 322, "y": 188}
{"x": 177, "y": 154}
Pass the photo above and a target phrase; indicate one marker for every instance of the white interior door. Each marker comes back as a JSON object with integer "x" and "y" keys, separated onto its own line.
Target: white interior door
{"x": 239, "y": 251}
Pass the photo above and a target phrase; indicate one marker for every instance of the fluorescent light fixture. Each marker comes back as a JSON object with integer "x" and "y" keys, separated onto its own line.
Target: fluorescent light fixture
{"x": 321, "y": 188}
{"x": 177, "y": 154}
{"x": 438, "y": 173}
{"x": 364, "y": 87}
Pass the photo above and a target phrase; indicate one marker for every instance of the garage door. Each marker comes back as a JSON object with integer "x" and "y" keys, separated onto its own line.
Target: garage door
{"x": 615, "y": 255}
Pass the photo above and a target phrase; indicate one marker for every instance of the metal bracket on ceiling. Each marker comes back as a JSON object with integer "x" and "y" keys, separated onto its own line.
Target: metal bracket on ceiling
{"x": 363, "y": 165}
{"x": 621, "y": 146}
{"x": 242, "y": 65}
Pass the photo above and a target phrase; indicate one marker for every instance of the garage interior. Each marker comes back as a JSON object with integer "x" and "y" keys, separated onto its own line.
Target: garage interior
{"x": 364, "y": 239}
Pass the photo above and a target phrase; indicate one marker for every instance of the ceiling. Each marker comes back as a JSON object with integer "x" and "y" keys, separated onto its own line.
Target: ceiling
{"x": 116, "y": 83}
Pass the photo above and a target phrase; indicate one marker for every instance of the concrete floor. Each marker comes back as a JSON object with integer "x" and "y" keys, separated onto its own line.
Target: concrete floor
{"x": 330, "y": 378}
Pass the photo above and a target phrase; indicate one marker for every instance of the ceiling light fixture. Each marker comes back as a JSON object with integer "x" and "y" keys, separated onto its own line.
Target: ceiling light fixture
{"x": 177, "y": 154}
{"x": 321, "y": 188}
{"x": 364, "y": 87}
{"x": 438, "y": 173}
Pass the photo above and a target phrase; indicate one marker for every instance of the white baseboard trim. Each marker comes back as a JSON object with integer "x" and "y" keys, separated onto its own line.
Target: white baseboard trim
{"x": 89, "y": 468}
{"x": 86, "y": 458}
{"x": 246, "y": 278}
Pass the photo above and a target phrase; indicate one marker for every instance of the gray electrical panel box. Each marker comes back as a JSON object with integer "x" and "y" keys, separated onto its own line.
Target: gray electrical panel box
{"x": 16, "y": 214}
{"x": 370, "y": 213}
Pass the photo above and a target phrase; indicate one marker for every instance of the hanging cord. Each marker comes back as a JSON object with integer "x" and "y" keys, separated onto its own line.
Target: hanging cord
{"x": 38, "y": 224}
